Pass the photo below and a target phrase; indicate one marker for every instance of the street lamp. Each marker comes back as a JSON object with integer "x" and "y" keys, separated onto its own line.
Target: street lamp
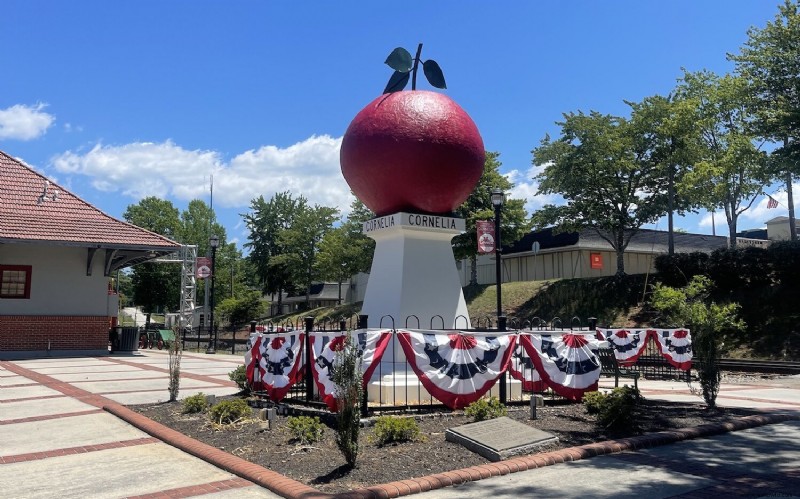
{"x": 498, "y": 198}
{"x": 213, "y": 241}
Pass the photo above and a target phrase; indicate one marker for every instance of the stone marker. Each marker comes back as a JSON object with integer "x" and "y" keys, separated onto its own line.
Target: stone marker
{"x": 501, "y": 438}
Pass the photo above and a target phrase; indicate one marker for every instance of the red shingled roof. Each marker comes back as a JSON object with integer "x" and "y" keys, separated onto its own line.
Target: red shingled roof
{"x": 65, "y": 220}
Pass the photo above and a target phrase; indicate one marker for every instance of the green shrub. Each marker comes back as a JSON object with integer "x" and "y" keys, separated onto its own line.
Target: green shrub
{"x": 484, "y": 409}
{"x": 390, "y": 429}
{"x": 195, "y": 403}
{"x": 593, "y": 401}
{"x": 230, "y": 411}
{"x": 239, "y": 376}
{"x": 615, "y": 410}
{"x": 305, "y": 429}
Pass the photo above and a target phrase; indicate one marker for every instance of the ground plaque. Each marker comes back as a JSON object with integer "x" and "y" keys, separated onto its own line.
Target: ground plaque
{"x": 500, "y": 438}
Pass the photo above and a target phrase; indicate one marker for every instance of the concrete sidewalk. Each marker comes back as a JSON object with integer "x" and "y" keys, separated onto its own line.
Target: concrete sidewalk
{"x": 56, "y": 439}
{"x": 65, "y": 431}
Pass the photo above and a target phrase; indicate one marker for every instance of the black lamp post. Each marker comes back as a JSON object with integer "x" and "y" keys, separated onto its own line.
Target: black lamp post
{"x": 498, "y": 199}
{"x": 213, "y": 241}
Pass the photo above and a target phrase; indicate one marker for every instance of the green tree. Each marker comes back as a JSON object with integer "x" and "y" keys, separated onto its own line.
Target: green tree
{"x": 345, "y": 251}
{"x": 608, "y": 182}
{"x": 301, "y": 243}
{"x": 266, "y": 221}
{"x": 770, "y": 62}
{"x": 154, "y": 214}
{"x": 246, "y": 307}
{"x": 666, "y": 137}
{"x": 156, "y": 286}
{"x": 478, "y": 206}
{"x": 690, "y": 306}
{"x": 197, "y": 223}
{"x": 731, "y": 170}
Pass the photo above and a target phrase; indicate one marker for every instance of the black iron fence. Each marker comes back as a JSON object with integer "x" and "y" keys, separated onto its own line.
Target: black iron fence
{"x": 394, "y": 386}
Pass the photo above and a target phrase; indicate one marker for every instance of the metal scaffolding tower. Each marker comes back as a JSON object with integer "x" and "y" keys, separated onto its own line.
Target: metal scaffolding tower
{"x": 187, "y": 257}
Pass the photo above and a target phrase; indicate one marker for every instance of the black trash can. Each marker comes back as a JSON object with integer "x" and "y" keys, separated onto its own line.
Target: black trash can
{"x": 128, "y": 339}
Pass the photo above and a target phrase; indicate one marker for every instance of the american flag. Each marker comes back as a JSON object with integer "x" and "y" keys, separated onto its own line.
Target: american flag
{"x": 772, "y": 203}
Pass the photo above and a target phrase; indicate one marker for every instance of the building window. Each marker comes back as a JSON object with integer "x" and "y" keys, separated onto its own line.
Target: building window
{"x": 15, "y": 281}
{"x": 596, "y": 260}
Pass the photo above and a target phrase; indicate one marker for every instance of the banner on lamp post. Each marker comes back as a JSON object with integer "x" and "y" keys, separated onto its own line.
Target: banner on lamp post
{"x": 486, "y": 240}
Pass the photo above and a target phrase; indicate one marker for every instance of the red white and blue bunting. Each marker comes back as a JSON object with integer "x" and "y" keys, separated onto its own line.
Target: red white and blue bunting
{"x": 674, "y": 344}
{"x": 523, "y": 369}
{"x": 628, "y": 344}
{"x": 567, "y": 362}
{"x": 371, "y": 345}
{"x": 273, "y": 362}
{"x": 457, "y": 368}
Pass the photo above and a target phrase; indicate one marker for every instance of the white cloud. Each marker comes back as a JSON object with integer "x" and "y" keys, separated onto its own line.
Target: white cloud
{"x": 22, "y": 122}
{"x": 705, "y": 220}
{"x": 309, "y": 168}
{"x": 525, "y": 187}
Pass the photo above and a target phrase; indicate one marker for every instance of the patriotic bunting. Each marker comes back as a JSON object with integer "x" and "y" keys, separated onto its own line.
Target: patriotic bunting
{"x": 567, "y": 362}
{"x": 457, "y": 368}
{"x": 675, "y": 346}
{"x": 371, "y": 345}
{"x": 522, "y": 369}
{"x": 628, "y": 344}
{"x": 273, "y": 363}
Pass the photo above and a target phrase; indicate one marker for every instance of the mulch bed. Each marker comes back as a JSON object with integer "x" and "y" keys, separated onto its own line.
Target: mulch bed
{"x": 322, "y": 466}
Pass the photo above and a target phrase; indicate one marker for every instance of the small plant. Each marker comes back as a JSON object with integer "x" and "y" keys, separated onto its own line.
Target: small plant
{"x": 195, "y": 403}
{"x": 239, "y": 376}
{"x": 615, "y": 410}
{"x": 348, "y": 378}
{"x": 229, "y": 411}
{"x": 484, "y": 409}
{"x": 390, "y": 429}
{"x": 305, "y": 429}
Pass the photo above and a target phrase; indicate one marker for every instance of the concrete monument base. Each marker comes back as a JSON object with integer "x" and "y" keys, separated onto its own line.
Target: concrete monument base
{"x": 414, "y": 281}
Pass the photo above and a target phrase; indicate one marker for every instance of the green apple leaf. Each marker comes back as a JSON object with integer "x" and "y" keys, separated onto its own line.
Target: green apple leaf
{"x": 400, "y": 60}
{"x": 397, "y": 82}
{"x": 434, "y": 73}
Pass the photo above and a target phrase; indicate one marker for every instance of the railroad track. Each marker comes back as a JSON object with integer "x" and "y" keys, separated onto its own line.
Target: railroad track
{"x": 760, "y": 366}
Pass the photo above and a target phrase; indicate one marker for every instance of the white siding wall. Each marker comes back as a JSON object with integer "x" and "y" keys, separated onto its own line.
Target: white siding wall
{"x": 59, "y": 284}
{"x": 569, "y": 264}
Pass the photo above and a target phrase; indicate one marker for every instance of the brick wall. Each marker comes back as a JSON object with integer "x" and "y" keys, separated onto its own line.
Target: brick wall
{"x": 63, "y": 332}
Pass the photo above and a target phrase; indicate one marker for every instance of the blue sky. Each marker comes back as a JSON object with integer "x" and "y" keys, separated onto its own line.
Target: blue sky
{"x": 120, "y": 100}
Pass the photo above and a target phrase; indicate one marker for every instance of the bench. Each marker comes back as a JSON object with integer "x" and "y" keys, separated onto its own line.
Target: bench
{"x": 610, "y": 367}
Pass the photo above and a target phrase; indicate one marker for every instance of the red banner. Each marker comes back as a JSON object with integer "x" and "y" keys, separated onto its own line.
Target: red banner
{"x": 485, "y": 236}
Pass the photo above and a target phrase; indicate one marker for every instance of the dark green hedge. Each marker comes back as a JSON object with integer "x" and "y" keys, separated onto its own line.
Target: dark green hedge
{"x": 765, "y": 282}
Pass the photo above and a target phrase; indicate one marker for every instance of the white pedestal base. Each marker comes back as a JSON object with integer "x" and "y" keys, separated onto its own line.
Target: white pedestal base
{"x": 414, "y": 280}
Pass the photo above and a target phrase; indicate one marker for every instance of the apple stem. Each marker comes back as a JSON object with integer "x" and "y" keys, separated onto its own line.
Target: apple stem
{"x": 414, "y": 71}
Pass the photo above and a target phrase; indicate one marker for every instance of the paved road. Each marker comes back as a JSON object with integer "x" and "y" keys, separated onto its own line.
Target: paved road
{"x": 759, "y": 462}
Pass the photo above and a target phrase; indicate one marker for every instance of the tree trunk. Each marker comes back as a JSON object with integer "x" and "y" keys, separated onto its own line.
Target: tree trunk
{"x": 732, "y": 232}
{"x": 790, "y": 202}
{"x": 620, "y": 247}
{"x": 671, "y": 209}
{"x": 473, "y": 270}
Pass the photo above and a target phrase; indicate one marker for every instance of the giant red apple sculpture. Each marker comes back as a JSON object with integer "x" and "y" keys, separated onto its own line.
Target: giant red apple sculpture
{"x": 415, "y": 151}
